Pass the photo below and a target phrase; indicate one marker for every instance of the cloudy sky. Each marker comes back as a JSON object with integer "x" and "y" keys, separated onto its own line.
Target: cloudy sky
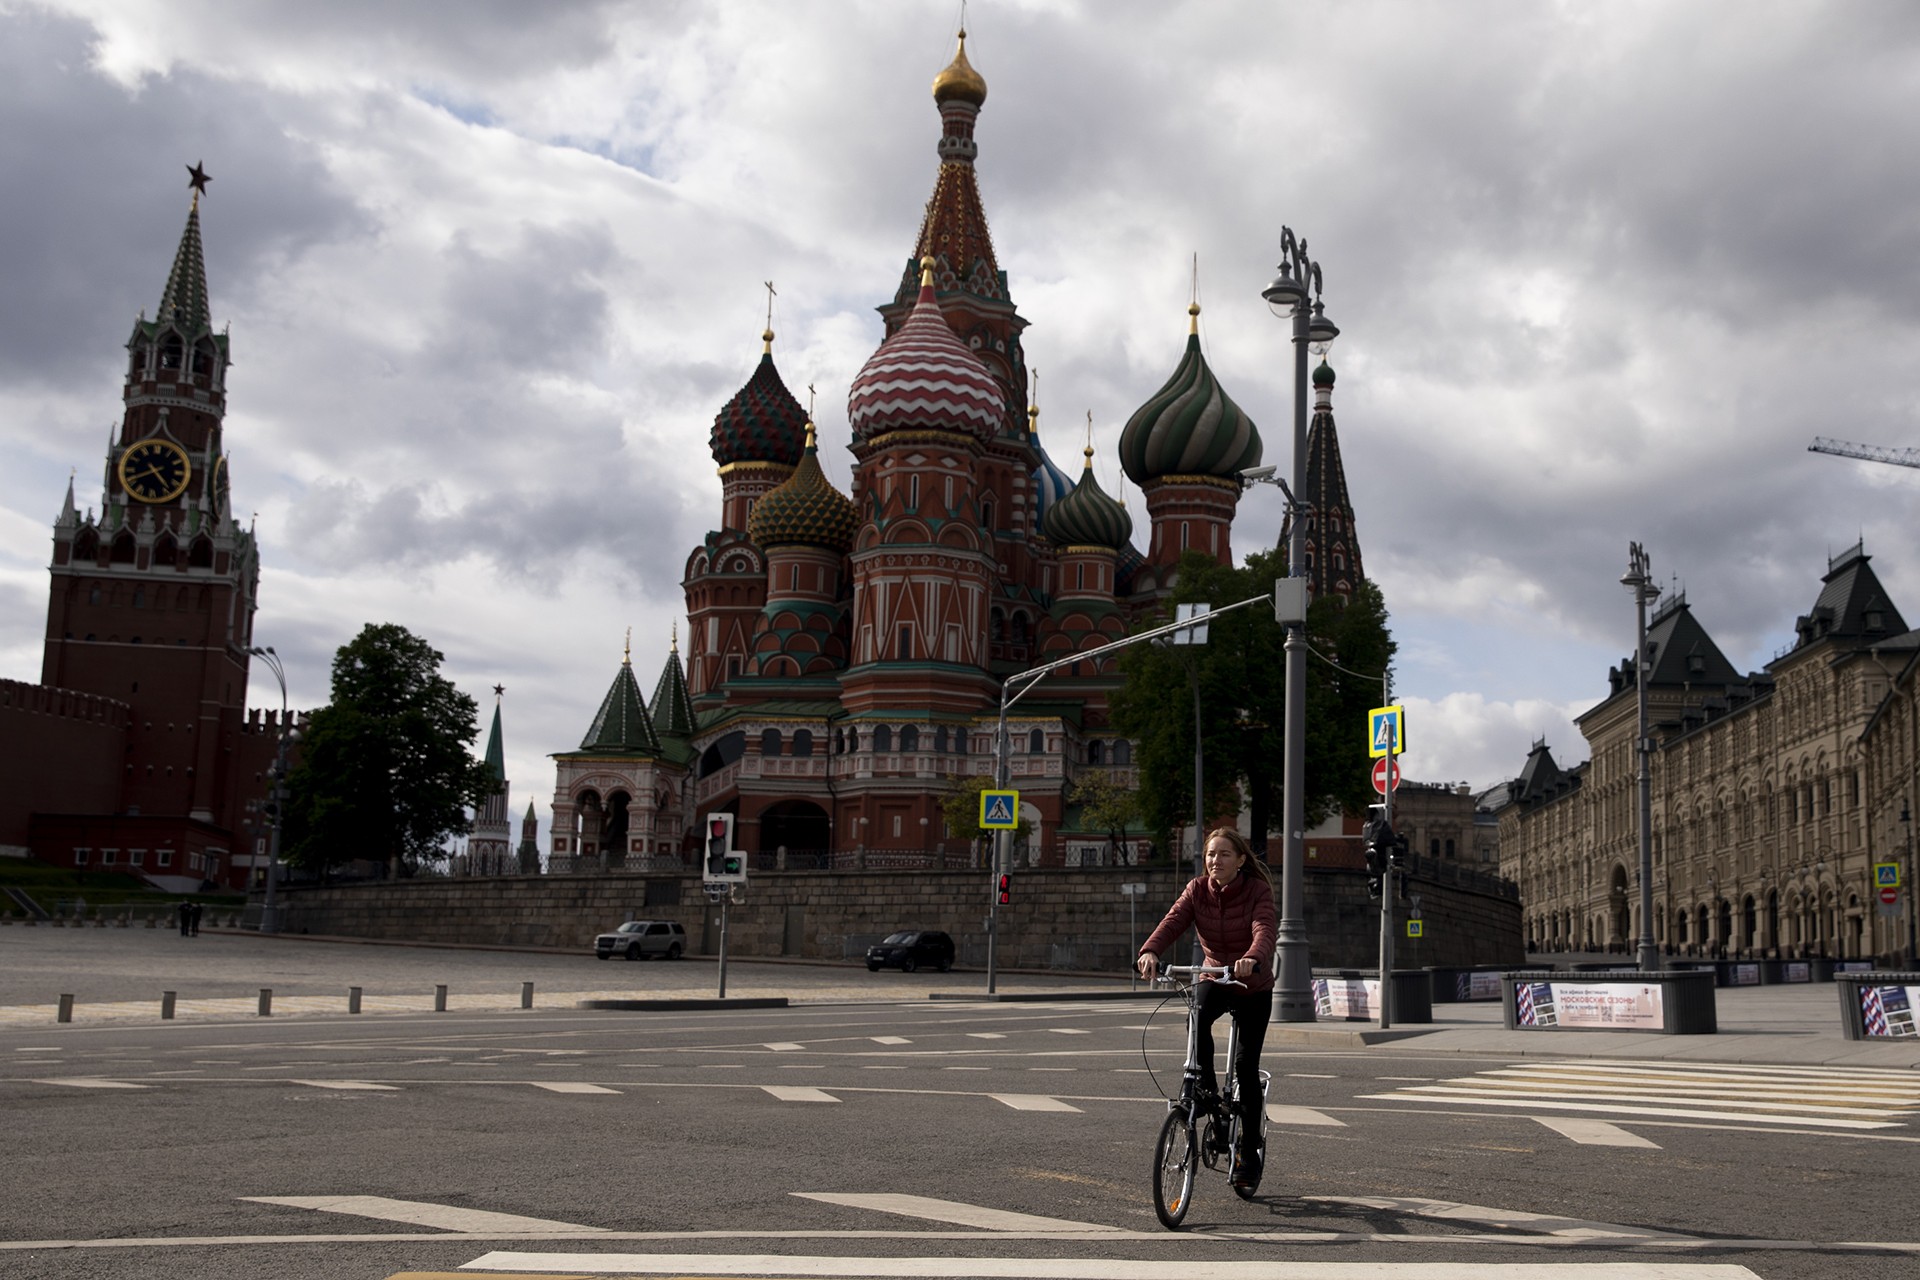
{"x": 491, "y": 268}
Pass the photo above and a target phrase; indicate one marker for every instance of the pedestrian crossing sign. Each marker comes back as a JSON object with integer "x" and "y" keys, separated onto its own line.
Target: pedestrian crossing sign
{"x": 1416, "y": 929}
{"x": 999, "y": 810}
{"x": 1387, "y": 731}
{"x": 1886, "y": 875}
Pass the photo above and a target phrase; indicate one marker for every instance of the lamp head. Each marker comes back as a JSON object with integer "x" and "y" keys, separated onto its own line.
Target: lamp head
{"x": 1285, "y": 294}
{"x": 1321, "y": 331}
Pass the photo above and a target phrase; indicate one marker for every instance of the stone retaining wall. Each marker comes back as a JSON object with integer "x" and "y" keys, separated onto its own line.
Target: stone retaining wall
{"x": 1060, "y": 918}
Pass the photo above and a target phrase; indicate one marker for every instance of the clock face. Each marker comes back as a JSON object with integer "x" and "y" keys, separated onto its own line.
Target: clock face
{"x": 155, "y": 470}
{"x": 220, "y": 477}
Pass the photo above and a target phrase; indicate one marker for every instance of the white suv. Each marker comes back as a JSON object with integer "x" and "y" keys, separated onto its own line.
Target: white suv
{"x": 637, "y": 938}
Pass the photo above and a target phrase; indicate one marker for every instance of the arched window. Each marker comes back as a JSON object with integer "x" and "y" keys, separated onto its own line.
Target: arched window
{"x": 1096, "y": 752}
{"x": 171, "y": 351}
{"x": 123, "y": 548}
{"x": 1122, "y": 752}
{"x": 803, "y": 743}
{"x": 1036, "y": 743}
{"x": 940, "y": 739}
{"x": 882, "y": 737}
{"x": 910, "y": 738}
{"x": 770, "y": 742}
{"x": 1019, "y": 628}
{"x": 165, "y": 551}
{"x": 200, "y": 556}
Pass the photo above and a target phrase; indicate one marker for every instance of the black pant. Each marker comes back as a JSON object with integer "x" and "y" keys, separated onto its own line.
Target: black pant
{"x": 1250, "y": 1011}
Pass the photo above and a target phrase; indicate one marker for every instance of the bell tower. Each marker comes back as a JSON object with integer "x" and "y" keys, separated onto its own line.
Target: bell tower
{"x": 151, "y": 601}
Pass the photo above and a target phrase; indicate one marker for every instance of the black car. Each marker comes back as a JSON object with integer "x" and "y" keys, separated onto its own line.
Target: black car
{"x": 910, "y": 949}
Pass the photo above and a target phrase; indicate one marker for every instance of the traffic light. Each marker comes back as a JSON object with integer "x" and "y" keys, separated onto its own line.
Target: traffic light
{"x": 1379, "y": 840}
{"x": 722, "y": 865}
{"x": 1006, "y": 889}
{"x": 1397, "y": 856}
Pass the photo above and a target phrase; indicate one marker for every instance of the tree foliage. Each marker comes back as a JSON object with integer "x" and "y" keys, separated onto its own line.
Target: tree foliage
{"x": 1240, "y": 674}
{"x": 1103, "y": 806}
{"x": 386, "y": 770}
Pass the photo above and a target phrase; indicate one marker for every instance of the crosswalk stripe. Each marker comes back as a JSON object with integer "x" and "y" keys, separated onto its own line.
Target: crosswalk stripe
{"x": 889, "y": 1039}
{"x": 90, "y": 1082}
{"x": 367, "y": 1085}
{"x": 798, "y": 1093}
{"x": 569, "y": 1086}
{"x": 423, "y": 1214}
{"x": 784, "y": 1046}
{"x": 954, "y": 1211}
{"x": 1594, "y": 1133}
{"x": 1278, "y": 1114}
{"x": 1831, "y": 1098}
{"x": 770, "y": 1265}
{"x": 1032, "y": 1102}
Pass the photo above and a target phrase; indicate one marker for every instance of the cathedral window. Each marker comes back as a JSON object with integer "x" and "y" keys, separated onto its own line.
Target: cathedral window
{"x": 1020, "y": 628}
{"x": 1036, "y": 743}
{"x": 1096, "y": 752}
{"x": 940, "y": 739}
{"x": 986, "y": 515}
{"x": 904, "y": 644}
{"x": 1183, "y": 535}
{"x": 883, "y": 737}
{"x": 909, "y": 741}
{"x": 1122, "y": 752}
{"x": 802, "y": 743}
{"x": 770, "y": 743}
{"x": 913, "y": 499}
{"x": 1079, "y": 577}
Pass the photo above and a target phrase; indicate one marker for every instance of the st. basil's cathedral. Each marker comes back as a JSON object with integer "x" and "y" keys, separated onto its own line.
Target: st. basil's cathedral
{"x": 845, "y": 652}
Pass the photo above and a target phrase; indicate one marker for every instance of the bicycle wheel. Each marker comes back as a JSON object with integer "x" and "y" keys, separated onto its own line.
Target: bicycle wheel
{"x": 1174, "y": 1159}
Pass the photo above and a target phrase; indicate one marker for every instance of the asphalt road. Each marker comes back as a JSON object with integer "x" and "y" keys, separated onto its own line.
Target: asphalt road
{"x": 892, "y": 1135}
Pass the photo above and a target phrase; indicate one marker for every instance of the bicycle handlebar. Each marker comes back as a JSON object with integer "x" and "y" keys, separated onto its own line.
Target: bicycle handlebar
{"x": 1220, "y": 972}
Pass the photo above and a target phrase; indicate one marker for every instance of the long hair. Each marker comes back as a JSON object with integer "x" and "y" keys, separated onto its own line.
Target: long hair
{"x": 1254, "y": 864}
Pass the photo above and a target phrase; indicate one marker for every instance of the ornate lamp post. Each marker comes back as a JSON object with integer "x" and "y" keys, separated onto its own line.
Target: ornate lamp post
{"x": 277, "y": 793}
{"x": 1639, "y": 581}
{"x": 1288, "y": 298}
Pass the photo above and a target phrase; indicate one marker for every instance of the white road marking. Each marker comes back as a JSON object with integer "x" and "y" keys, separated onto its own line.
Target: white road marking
{"x": 1070, "y": 1031}
{"x": 1301, "y": 1115}
{"x": 347, "y": 1084}
{"x": 784, "y": 1046}
{"x": 1743, "y": 1117}
{"x": 889, "y": 1039}
{"x": 1032, "y": 1102}
{"x": 1550, "y": 1224}
{"x": 1309, "y": 1075}
{"x": 985, "y": 1035}
{"x": 422, "y": 1214}
{"x": 954, "y": 1211}
{"x": 1594, "y": 1133}
{"x": 710, "y": 1264}
{"x": 567, "y": 1086}
{"x": 798, "y": 1093}
{"x": 90, "y": 1082}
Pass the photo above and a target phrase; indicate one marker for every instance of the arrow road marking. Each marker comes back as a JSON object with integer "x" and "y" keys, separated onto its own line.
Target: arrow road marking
{"x": 420, "y": 1213}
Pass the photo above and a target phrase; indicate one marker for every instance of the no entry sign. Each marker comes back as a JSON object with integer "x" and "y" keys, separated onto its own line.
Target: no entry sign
{"x": 1380, "y": 774}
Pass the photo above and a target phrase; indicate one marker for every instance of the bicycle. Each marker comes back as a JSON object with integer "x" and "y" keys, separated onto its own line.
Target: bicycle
{"x": 1192, "y": 1134}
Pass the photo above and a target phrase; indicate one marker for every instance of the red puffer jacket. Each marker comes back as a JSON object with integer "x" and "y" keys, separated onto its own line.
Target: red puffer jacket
{"x": 1234, "y": 923}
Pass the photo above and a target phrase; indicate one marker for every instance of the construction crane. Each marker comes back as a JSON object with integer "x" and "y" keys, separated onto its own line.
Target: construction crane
{"x": 1868, "y": 452}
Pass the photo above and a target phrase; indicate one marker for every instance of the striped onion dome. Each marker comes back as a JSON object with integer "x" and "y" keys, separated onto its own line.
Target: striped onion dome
{"x": 1050, "y": 483}
{"x": 1087, "y": 517}
{"x": 805, "y": 508}
{"x": 923, "y": 377}
{"x": 763, "y": 422}
{"x": 1189, "y": 427}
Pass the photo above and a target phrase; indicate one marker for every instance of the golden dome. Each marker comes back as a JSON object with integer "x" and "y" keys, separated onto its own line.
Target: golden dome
{"x": 960, "y": 80}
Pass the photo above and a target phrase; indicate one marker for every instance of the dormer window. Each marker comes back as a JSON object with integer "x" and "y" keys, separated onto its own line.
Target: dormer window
{"x": 1696, "y": 665}
{"x": 1876, "y": 621}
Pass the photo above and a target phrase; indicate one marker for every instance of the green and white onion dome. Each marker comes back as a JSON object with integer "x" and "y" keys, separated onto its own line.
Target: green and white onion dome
{"x": 1087, "y": 517}
{"x": 1190, "y": 427}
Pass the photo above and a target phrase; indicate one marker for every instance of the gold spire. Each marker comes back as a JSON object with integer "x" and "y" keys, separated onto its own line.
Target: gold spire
{"x": 1089, "y": 449}
{"x": 926, "y": 272}
{"x": 960, "y": 81}
{"x": 626, "y": 655}
{"x": 811, "y": 442}
{"x": 674, "y": 642}
{"x": 1193, "y": 317}
{"x": 766, "y": 335}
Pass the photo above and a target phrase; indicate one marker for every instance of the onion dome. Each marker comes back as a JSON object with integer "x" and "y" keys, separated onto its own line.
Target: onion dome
{"x": 959, "y": 80}
{"x": 1189, "y": 427}
{"x": 805, "y": 508}
{"x": 1323, "y": 376}
{"x": 763, "y": 422}
{"x": 923, "y": 377}
{"x": 1087, "y": 517}
{"x": 1050, "y": 483}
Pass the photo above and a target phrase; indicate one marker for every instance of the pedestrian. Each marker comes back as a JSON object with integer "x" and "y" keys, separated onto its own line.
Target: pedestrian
{"x": 194, "y": 918}
{"x": 1231, "y": 909}
{"x": 186, "y": 918}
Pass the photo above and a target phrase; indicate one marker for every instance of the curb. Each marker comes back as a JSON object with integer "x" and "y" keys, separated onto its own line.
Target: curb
{"x": 710, "y": 1002}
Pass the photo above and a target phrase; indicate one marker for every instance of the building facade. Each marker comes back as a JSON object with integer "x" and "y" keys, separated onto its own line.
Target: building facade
{"x": 145, "y": 756}
{"x": 1775, "y": 794}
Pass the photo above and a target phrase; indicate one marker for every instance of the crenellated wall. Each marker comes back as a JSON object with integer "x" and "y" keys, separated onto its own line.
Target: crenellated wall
{"x": 57, "y": 742}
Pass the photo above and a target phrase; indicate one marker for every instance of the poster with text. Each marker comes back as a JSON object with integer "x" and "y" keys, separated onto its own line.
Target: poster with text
{"x": 1615, "y": 1006}
{"x": 1476, "y": 986}
{"x": 1888, "y": 1011}
{"x": 1354, "y": 999}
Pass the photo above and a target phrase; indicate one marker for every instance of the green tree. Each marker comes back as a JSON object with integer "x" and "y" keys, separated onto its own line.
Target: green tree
{"x": 1103, "y": 806}
{"x": 1241, "y": 676}
{"x": 386, "y": 769}
{"x": 960, "y": 810}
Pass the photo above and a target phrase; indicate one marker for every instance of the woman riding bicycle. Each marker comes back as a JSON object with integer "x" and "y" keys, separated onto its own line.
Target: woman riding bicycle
{"x": 1231, "y": 908}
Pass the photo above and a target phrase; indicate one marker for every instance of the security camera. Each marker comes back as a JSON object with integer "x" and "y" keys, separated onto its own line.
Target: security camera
{"x": 1255, "y": 475}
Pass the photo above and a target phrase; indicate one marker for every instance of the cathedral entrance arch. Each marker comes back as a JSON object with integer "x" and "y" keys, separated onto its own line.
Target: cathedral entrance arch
{"x": 795, "y": 827}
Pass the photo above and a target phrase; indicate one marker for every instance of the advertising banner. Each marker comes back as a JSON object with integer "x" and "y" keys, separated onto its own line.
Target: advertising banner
{"x": 1617, "y": 1006}
{"x": 1888, "y": 1011}
{"x": 1354, "y": 999}
{"x": 1476, "y": 986}
{"x": 1796, "y": 971}
{"x": 1744, "y": 975}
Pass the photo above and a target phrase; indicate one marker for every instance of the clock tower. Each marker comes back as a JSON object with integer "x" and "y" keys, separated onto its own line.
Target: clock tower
{"x": 152, "y": 600}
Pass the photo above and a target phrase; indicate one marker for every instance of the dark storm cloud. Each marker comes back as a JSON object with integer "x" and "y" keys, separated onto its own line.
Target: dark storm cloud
{"x": 89, "y": 254}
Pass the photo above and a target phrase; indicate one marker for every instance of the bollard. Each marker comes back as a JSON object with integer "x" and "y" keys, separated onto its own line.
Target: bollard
{"x": 66, "y": 1008}
{"x": 266, "y": 1002}
{"x": 166, "y": 1006}
{"x": 153, "y": 919}
{"x": 440, "y": 998}
{"x": 526, "y": 995}
{"x": 353, "y": 999}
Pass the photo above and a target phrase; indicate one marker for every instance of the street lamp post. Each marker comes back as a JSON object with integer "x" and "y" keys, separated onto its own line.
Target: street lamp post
{"x": 1906, "y": 828}
{"x": 1288, "y": 298}
{"x": 1639, "y": 581}
{"x": 277, "y": 793}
